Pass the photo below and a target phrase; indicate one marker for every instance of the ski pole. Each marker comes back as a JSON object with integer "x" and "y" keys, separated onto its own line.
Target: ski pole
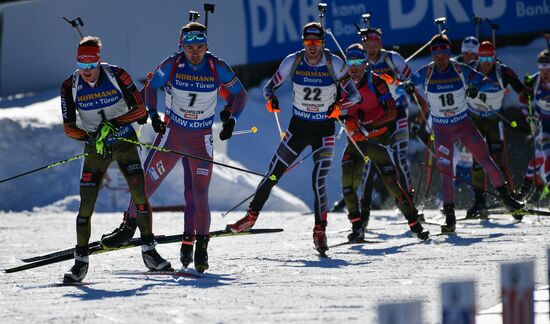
{"x": 252, "y": 195}
{"x": 430, "y": 151}
{"x": 281, "y": 133}
{"x": 336, "y": 42}
{"x": 432, "y": 136}
{"x": 76, "y": 157}
{"x": 252, "y": 130}
{"x": 486, "y": 106}
{"x": 365, "y": 158}
{"x": 162, "y": 149}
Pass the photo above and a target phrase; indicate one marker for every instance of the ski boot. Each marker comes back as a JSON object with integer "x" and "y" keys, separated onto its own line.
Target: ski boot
{"x": 419, "y": 231}
{"x": 120, "y": 236}
{"x": 510, "y": 203}
{"x": 320, "y": 238}
{"x": 450, "y": 219}
{"x": 245, "y": 223}
{"x": 151, "y": 258}
{"x": 357, "y": 232}
{"x": 80, "y": 268}
{"x": 201, "y": 253}
{"x": 478, "y": 210}
{"x": 186, "y": 250}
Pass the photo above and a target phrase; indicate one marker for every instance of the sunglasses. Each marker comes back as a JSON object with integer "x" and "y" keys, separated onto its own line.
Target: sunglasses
{"x": 192, "y": 37}
{"x": 486, "y": 59}
{"x": 470, "y": 41}
{"x": 87, "y": 66}
{"x": 316, "y": 42}
{"x": 355, "y": 62}
{"x": 439, "y": 48}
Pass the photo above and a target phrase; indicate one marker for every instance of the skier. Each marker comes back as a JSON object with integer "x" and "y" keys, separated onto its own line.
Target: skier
{"x": 371, "y": 123}
{"x": 107, "y": 102}
{"x": 469, "y": 50}
{"x": 191, "y": 80}
{"x": 390, "y": 66}
{"x": 489, "y": 123}
{"x": 316, "y": 75}
{"x": 447, "y": 83}
{"x": 536, "y": 108}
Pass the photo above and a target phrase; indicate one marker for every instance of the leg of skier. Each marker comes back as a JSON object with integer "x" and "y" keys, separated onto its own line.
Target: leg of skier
{"x": 157, "y": 166}
{"x": 92, "y": 174}
{"x": 352, "y": 170}
{"x": 472, "y": 140}
{"x": 197, "y": 176}
{"x": 323, "y": 151}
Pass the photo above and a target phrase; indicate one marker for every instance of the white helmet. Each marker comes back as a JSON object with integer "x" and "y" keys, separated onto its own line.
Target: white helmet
{"x": 470, "y": 44}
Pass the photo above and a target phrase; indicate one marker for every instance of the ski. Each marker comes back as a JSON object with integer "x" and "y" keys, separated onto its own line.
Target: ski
{"x": 355, "y": 242}
{"x": 68, "y": 254}
{"x": 522, "y": 212}
{"x": 175, "y": 273}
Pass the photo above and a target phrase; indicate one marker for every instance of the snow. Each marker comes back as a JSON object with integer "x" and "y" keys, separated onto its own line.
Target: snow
{"x": 268, "y": 278}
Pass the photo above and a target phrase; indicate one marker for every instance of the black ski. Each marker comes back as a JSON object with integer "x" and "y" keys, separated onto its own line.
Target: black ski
{"x": 355, "y": 242}
{"x": 68, "y": 254}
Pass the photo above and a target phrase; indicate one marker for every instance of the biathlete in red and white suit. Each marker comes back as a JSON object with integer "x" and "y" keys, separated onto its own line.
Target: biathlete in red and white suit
{"x": 391, "y": 67}
{"x": 446, "y": 84}
{"x": 192, "y": 80}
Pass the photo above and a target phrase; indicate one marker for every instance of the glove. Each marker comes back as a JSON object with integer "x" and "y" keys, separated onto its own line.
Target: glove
{"x": 104, "y": 130}
{"x": 335, "y": 110}
{"x": 388, "y": 78}
{"x": 351, "y": 125}
{"x": 158, "y": 125}
{"x": 472, "y": 91}
{"x": 409, "y": 88}
{"x": 353, "y": 130}
{"x": 272, "y": 104}
{"x": 529, "y": 82}
{"x": 227, "y": 126}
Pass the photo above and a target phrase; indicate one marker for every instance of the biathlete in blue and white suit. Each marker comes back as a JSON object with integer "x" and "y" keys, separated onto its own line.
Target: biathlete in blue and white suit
{"x": 536, "y": 107}
{"x": 483, "y": 111}
{"x": 192, "y": 80}
{"x": 447, "y": 83}
{"x": 316, "y": 75}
